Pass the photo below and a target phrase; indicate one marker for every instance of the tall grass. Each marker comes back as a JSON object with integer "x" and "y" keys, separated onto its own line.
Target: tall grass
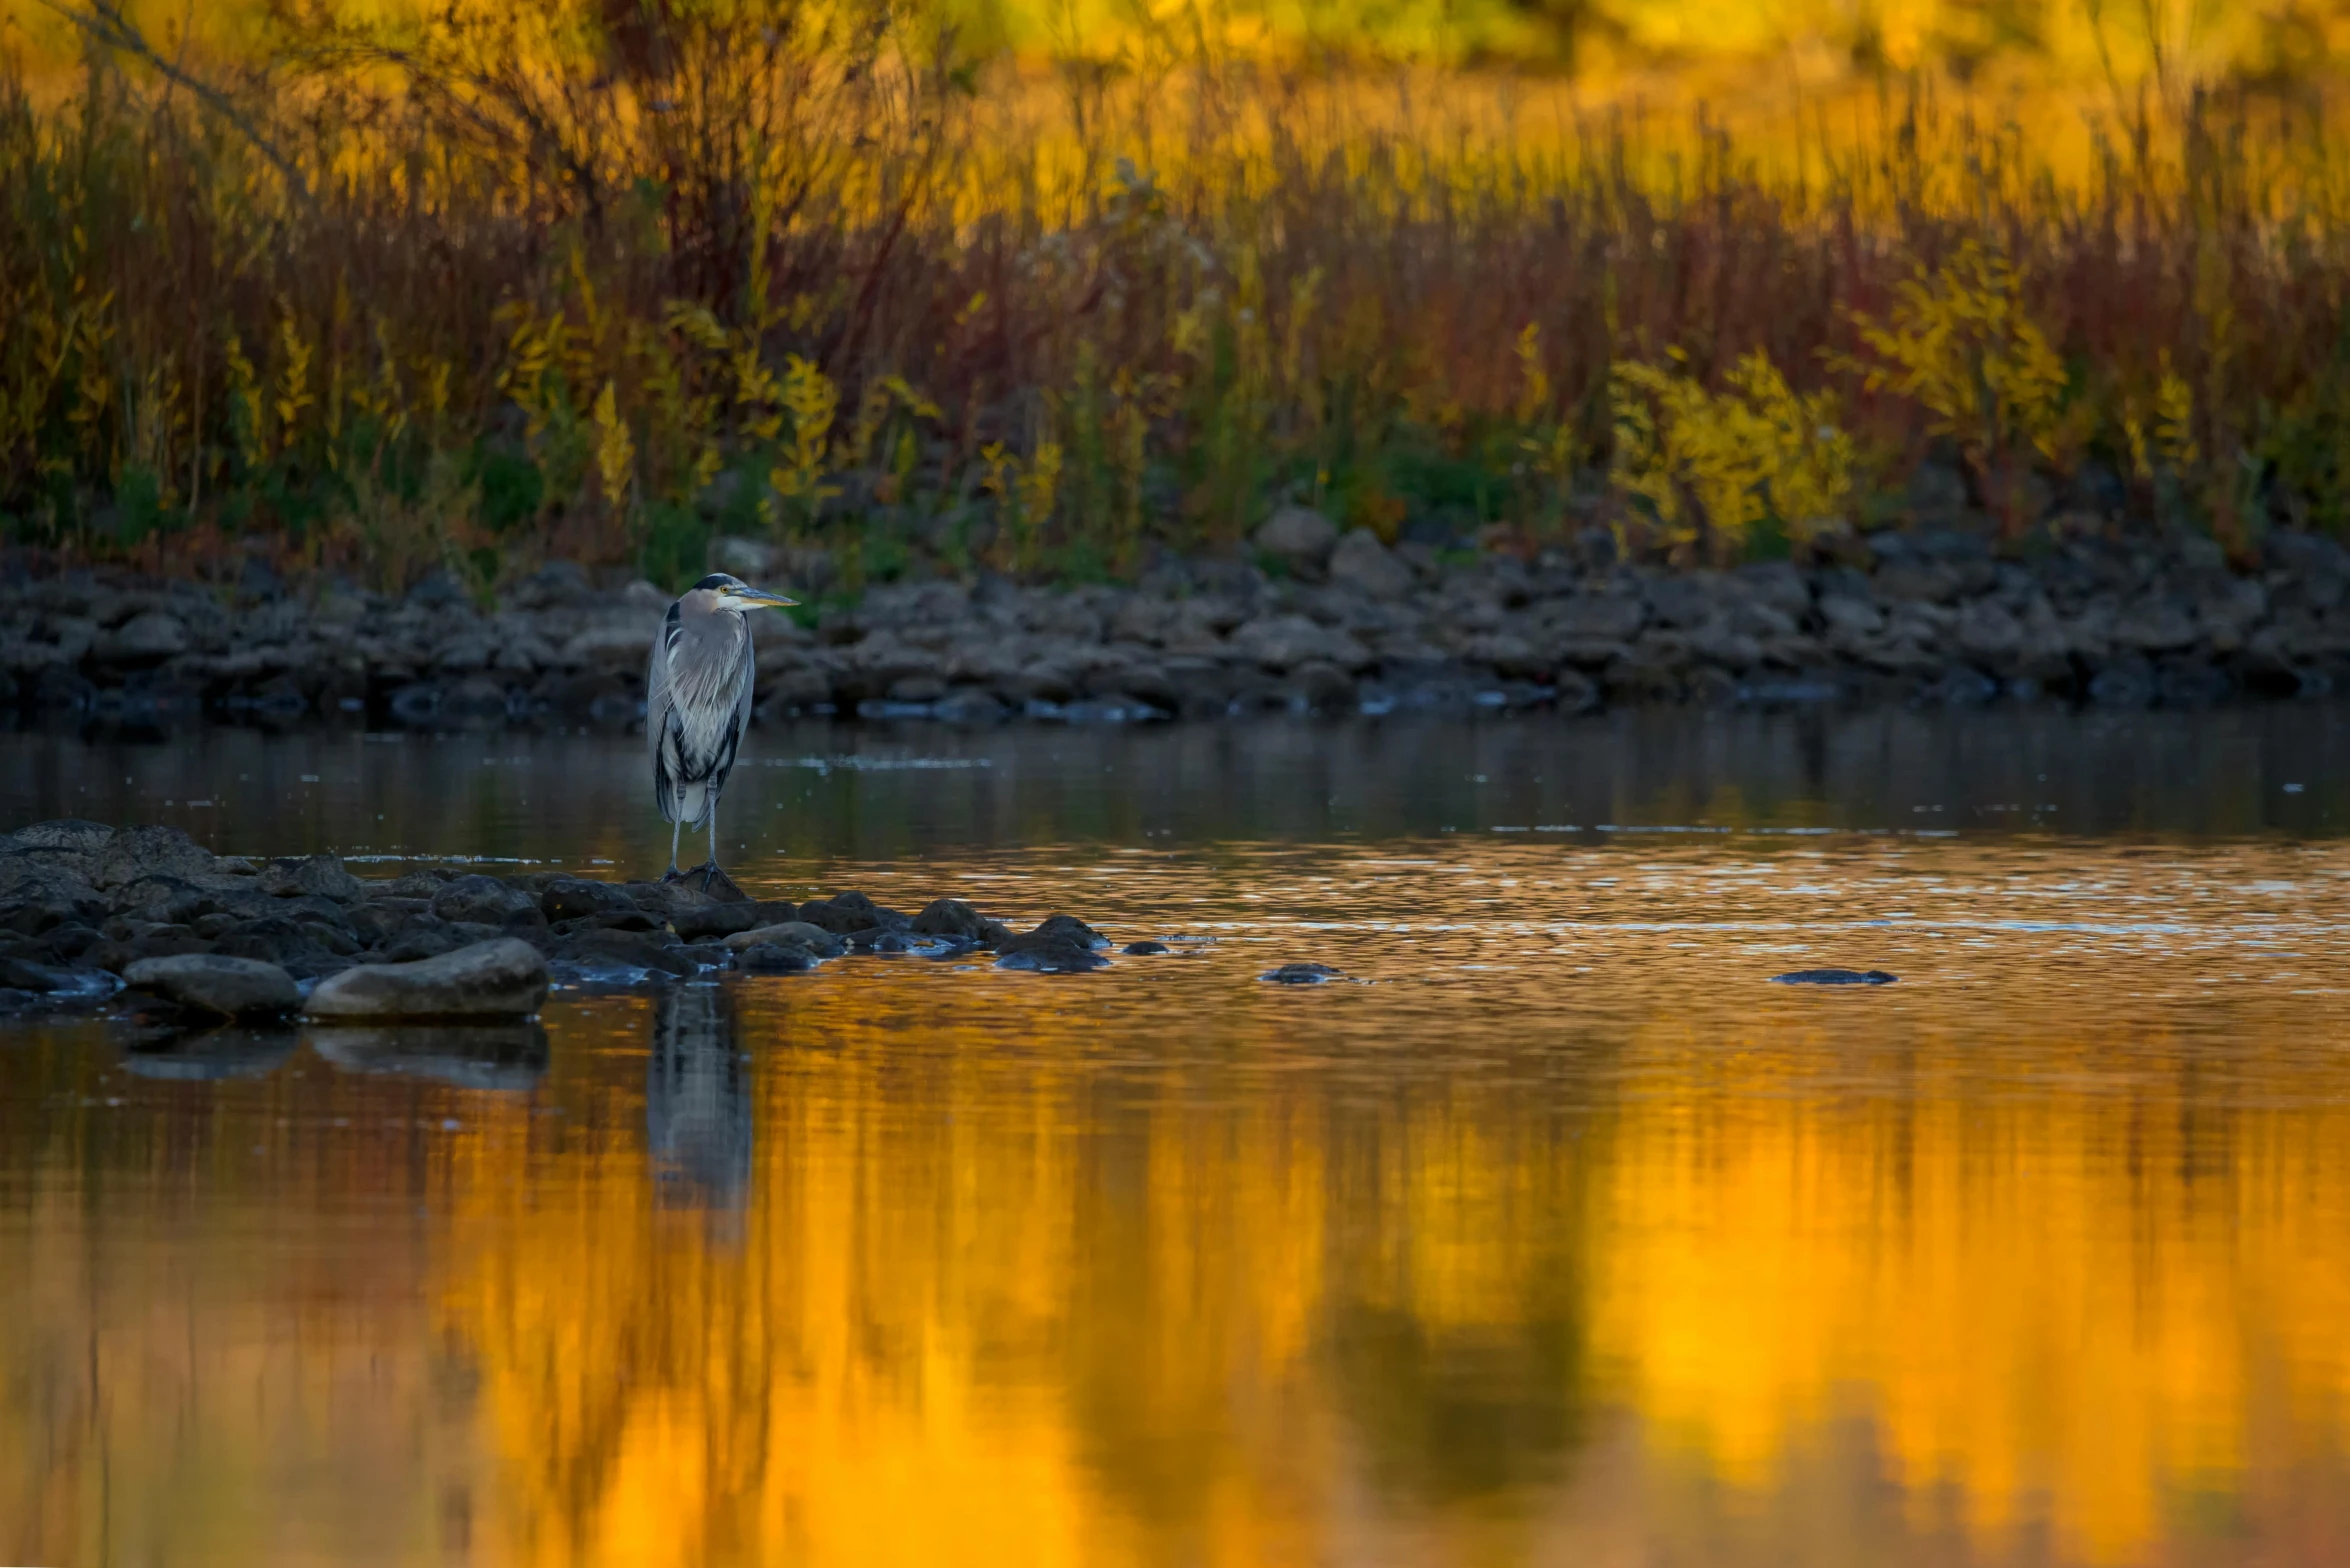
{"x": 599, "y": 281}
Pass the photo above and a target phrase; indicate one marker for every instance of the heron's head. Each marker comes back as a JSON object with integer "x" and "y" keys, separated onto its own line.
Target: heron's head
{"x": 732, "y": 593}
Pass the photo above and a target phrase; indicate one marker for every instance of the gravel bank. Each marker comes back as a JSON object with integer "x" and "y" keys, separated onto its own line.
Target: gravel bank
{"x": 87, "y": 911}
{"x": 1313, "y": 623}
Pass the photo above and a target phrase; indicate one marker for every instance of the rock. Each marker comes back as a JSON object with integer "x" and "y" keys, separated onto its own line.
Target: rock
{"x": 70, "y": 833}
{"x": 1049, "y": 957}
{"x": 273, "y": 939}
{"x": 1594, "y": 619}
{"x": 791, "y": 933}
{"x": 952, "y": 918}
{"x": 556, "y": 583}
{"x": 144, "y": 851}
{"x": 485, "y": 900}
{"x": 53, "y": 980}
{"x": 2154, "y": 626}
{"x": 1302, "y": 974}
{"x": 1299, "y": 538}
{"x": 1362, "y": 563}
{"x": 845, "y": 913}
{"x": 714, "y": 920}
{"x": 641, "y": 950}
{"x": 505, "y": 978}
{"x": 219, "y": 986}
{"x": 577, "y": 898}
{"x": 316, "y": 876}
{"x": 1321, "y": 687}
{"x": 30, "y": 908}
{"x": 749, "y": 559}
{"x": 172, "y": 900}
{"x": 1068, "y": 928}
{"x": 970, "y": 705}
{"x": 144, "y": 639}
{"x": 423, "y": 942}
{"x": 1281, "y": 642}
{"x": 1835, "y": 977}
{"x": 1144, "y": 949}
{"x": 766, "y": 958}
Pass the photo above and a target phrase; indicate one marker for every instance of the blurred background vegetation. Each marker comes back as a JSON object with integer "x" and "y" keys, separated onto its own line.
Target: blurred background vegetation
{"x": 1052, "y": 288}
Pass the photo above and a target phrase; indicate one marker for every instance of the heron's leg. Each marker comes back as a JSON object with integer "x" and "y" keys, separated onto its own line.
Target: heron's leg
{"x": 712, "y": 870}
{"x": 675, "y": 828}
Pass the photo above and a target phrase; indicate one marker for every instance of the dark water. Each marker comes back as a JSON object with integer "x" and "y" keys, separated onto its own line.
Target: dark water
{"x": 1551, "y": 1234}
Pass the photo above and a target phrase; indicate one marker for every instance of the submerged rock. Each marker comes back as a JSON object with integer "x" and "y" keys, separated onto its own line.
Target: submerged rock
{"x": 1049, "y": 956}
{"x": 771, "y": 958}
{"x": 217, "y": 986}
{"x": 958, "y": 921}
{"x": 1068, "y": 928}
{"x": 1302, "y": 974}
{"x": 814, "y": 940}
{"x": 1835, "y": 977}
{"x": 506, "y": 978}
{"x": 1144, "y": 949}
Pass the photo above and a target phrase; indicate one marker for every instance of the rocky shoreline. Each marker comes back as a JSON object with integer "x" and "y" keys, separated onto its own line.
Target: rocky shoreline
{"x": 147, "y": 919}
{"x": 1312, "y": 622}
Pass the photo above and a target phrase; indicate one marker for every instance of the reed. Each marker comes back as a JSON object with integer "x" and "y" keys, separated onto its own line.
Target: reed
{"x": 602, "y": 282}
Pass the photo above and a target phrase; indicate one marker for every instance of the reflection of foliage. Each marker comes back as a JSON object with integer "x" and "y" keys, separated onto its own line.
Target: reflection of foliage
{"x": 1456, "y": 1413}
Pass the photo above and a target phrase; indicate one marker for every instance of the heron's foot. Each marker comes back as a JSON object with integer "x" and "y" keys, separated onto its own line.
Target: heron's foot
{"x": 673, "y": 874}
{"x": 707, "y": 871}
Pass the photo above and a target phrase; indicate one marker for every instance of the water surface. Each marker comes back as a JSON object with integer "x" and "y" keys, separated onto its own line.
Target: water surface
{"x": 1552, "y": 1234}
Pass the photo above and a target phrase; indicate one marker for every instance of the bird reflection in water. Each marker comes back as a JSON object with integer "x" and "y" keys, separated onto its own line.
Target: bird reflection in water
{"x": 697, "y": 1101}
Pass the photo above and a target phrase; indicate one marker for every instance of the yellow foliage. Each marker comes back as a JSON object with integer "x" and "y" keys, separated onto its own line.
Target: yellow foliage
{"x": 615, "y": 451}
{"x": 1718, "y": 463}
{"x": 2167, "y": 440}
{"x": 1961, "y": 343}
{"x": 293, "y": 377}
{"x": 809, "y": 397}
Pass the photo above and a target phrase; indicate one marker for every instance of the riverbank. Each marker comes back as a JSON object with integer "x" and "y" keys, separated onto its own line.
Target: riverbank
{"x": 1311, "y": 622}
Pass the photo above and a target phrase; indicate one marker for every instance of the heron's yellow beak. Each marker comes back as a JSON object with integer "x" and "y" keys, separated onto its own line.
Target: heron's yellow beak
{"x": 748, "y": 598}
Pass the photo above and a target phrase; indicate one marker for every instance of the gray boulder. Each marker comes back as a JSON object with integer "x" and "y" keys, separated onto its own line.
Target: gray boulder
{"x": 1282, "y": 642}
{"x": 133, "y": 853}
{"x": 149, "y": 638}
{"x": 222, "y": 987}
{"x": 714, "y": 920}
{"x": 69, "y": 833}
{"x": 791, "y": 933}
{"x": 576, "y": 898}
{"x": 1300, "y": 538}
{"x": 317, "y": 876}
{"x": 483, "y": 900}
{"x": 505, "y": 978}
{"x": 1362, "y": 563}
{"x": 951, "y": 917}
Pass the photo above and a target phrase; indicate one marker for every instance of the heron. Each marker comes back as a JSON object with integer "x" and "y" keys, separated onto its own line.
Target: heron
{"x": 698, "y": 703}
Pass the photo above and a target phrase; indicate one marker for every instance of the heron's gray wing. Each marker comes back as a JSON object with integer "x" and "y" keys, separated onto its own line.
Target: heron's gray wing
{"x": 659, "y": 716}
{"x": 710, "y": 694}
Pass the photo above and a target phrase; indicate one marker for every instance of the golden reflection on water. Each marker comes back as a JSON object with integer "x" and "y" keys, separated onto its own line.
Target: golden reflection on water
{"x": 1566, "y": 1240}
